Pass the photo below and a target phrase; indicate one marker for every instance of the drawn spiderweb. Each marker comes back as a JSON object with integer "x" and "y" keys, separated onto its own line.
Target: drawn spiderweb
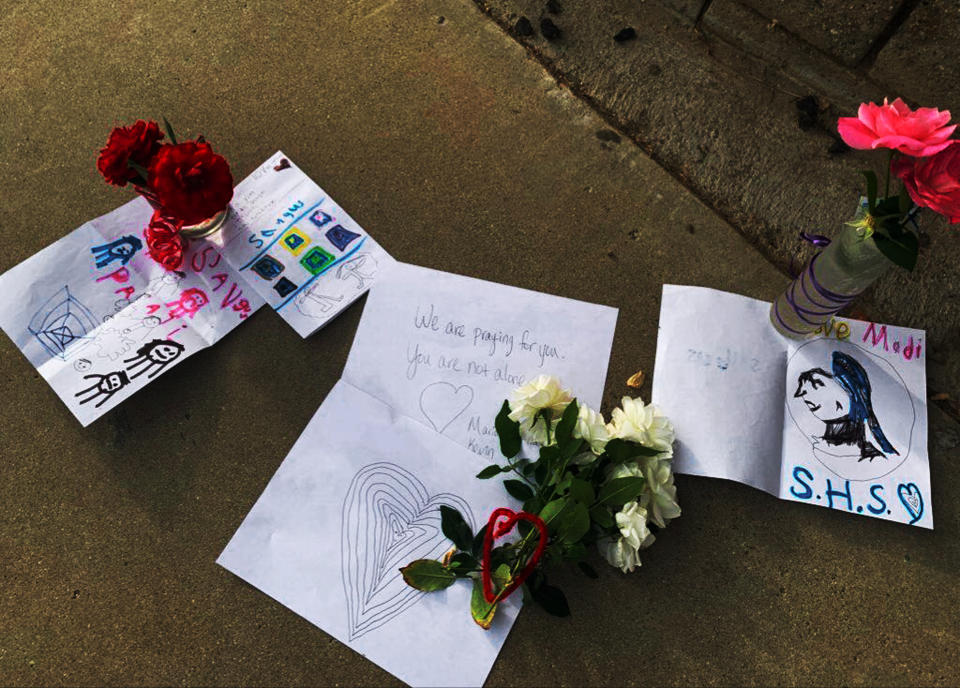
{"x": 62, "y": 322}
{"x": 389, "y": 519}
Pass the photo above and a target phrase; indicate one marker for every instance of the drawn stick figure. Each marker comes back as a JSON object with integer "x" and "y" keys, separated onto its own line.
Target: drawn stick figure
{"x": 153, "y": 357}
{"x": 121, "y": 249}
{"x": 190, "y": 301}
{"x": 105, "y": 386}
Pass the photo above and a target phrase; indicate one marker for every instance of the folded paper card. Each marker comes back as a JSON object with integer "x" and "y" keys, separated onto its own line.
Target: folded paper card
{"x": 838, "y": 420}
{"x": 357, "y": 498}
{"x": 446, "y": 350}
{"x": 99, "y": 319}
{"x": 300, "y": 251}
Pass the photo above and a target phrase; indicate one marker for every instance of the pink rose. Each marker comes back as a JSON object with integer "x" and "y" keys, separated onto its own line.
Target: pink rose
{"x": 894, "y": 125}
{"x": 933, "y": 182}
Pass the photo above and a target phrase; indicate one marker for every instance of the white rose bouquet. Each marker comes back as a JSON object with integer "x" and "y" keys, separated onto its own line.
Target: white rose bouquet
{"x": 608, "y": 484}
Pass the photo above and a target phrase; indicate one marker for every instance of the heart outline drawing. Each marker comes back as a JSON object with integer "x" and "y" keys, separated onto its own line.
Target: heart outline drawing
{"x": 388, "y": 520}
{"x": 441, "y": 403}
{"x": 912, "y": 500}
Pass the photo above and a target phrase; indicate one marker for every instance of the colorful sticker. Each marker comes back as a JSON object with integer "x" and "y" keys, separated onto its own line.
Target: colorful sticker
{"x": 284, "y": 286}
{"x": 341, "y": 237}
{"x": 295, "y": 241}
{"x": 268, "y": 267}
{"x": 316, "y": 260}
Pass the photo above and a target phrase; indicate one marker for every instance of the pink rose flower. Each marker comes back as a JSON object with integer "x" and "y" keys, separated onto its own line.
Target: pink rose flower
{"x": 933, "y": 182}
{"x": 894, "y": 125}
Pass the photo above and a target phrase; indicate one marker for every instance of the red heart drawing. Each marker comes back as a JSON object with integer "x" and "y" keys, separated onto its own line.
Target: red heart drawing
{"x": 495, "y": 531}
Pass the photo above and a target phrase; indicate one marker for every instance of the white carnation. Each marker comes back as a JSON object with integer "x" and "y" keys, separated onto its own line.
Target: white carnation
{"x": 659, "y": 492}
{"x": 542, "y": 392}
{"x": 643, "y": 424}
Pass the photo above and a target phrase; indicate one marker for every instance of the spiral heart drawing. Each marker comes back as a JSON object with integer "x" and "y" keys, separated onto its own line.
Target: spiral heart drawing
{"x": 389, "y": 519}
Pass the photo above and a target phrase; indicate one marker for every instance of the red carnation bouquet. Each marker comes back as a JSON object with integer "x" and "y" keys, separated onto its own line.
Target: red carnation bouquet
{"x": 188, "y": 185}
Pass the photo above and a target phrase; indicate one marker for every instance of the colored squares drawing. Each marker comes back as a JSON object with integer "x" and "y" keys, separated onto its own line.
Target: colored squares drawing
{"x": 284, "y": 286}
{"x": 316, "y": 260}
{"x": 321, "y": 219}
{"x": 268, "y": 267}
{"x": 295, "y": 241}
{"x": 340, "y": 237}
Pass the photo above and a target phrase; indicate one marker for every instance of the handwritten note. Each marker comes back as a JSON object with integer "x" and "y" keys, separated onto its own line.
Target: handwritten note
{"x": 299, "y": 250}
{"x": 357, "y": 498}
{"x": 838, "y": 420}
{"x": 446, "y": 350}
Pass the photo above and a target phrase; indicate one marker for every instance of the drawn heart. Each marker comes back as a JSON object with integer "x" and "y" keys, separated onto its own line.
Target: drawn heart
{"x": 912, "y": 500}
{"x": 388, "y": 520}
{"x": 495, "y": 531}
{"x": 442, "y": 403}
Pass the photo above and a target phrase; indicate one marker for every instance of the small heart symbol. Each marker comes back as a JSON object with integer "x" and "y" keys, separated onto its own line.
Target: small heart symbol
{"x": 494, "y": 531}
{"x": 912, "y": 500}
{"x": 389, "y": 519}
{"x": 442, "y": 403}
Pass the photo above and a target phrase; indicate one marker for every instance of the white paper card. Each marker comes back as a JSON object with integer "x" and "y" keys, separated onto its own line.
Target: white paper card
{"x": 305, "y": 256}
{"x": 447, "y": 350}
{"x": 357, "y": 498}
{"x": 838, "y": 420}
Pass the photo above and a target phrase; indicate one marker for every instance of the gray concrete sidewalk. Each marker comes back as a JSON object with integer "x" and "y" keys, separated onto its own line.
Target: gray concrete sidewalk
{"x": 439, "y": 134}
{"x": 739, "y": 101}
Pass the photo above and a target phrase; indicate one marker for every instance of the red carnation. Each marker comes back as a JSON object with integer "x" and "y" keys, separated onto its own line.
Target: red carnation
{"x": 191, "y": 181}
{"x": 164, "y": 242}
{"x": 933, "y": 182}
{"x": 138, "y": 142}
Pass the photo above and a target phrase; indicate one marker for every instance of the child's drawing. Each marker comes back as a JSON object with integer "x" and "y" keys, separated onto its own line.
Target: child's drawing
{"x": 388, "y": 520}
{"x": 853, "y": 408}
{"x": 153, "y": 357}
{"x": 442, "y": 403}
{"x": 62, "y": 322}
{"x": 105, "y": 387}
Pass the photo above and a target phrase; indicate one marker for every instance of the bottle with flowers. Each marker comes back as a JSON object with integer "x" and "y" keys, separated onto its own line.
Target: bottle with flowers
{"x": 921, "y": 154}
{"x": 187, "y": 184}
{"x": 594, "y": 483}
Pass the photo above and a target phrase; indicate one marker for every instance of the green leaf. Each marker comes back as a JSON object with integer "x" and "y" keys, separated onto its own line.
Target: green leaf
{"x": 551, "y": 599}
{"x": 428, "y": 575}
{"x": 532, "y": 505}
{"x": 871, "y": 178}
{"x": 568, "y": 421}
{"x": 551, "y": 513}
{"x": 574, "y": 523}
{"x": 602, "y": 517}
{"x": 518, "y": 489}
{"x": 508, "y": 431}
{"x": 481, "y": 610}
{"x": 901, "y": 251}
{"x": 491, "y": 471}
{"x": 455, "y": 528}
{"x": 463, "y": 563}
{"x": 476, "y": 547}
{"x": 621, "y": 451}
{"x": 619, "y": 491}
{"x": 575, "y": 552}
{"x": 139, "y": 169}
{"x": 166, "y": 125}
{"x": 582, "y": 491}
{"x": 587, "y": 570}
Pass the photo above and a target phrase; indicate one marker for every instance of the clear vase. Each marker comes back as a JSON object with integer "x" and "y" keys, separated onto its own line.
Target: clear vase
{"x": 201, "y": 229}
{"x": 830, "y": 282}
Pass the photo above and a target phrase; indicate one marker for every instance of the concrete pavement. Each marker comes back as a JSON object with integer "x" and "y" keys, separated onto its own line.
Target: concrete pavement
{"x": 440, "y": 135}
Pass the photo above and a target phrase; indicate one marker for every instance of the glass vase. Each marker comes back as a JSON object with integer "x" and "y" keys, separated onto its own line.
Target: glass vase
{"x": 830, "y": 282}
{"x": 201, "y": 229}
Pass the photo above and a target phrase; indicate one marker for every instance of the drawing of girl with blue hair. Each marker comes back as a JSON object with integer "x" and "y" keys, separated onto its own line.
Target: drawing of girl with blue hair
{"x": 841, "y": 400}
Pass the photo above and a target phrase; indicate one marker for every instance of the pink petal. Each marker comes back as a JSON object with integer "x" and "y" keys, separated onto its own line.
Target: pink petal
{"x": 899, "y": 106}
{"x": 854, "y": 133}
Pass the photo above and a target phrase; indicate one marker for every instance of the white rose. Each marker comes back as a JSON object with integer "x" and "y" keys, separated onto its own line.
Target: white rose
{"x": 632, "y": 522}
{"x": 624, "y": 470}
{"x": 643, "y": 424}
{"x": 591, "y": 428}
{"x": 619, "y": 553}
{"x": 542, "y": 392}
{"x": 659, "y": 493}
